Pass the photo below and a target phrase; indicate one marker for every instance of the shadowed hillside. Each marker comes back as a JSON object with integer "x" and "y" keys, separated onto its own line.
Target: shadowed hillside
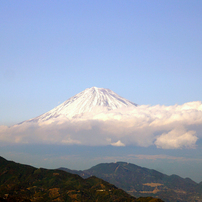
{"x": 25, "y": 183}
{"x": 139, "y": 181}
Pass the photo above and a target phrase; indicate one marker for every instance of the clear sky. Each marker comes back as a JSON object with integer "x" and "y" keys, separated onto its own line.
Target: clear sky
{"x": 149, "y": 52}
{"x": 146, "y": 51}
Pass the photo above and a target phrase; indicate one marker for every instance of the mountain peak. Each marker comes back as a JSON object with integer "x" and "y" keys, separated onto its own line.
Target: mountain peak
{"x": 91, "y": 100}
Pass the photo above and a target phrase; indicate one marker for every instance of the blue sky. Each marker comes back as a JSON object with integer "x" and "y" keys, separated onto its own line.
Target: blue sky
{"x": 146, "y": 51}
{"x": 149, "y": 52}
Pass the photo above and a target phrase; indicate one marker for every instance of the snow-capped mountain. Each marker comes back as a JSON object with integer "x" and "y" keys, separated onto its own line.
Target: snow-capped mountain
{"x": 92, "y": 100}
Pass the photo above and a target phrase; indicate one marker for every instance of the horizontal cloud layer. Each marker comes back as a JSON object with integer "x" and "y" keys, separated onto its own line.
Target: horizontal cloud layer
{"x": 167, "y": 127}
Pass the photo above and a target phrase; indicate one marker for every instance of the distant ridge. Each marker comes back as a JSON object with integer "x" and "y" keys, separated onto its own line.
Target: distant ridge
{"x": 91, "y": 100}
{"x": 142, "y": 182}
{"x": 25, "y": 183}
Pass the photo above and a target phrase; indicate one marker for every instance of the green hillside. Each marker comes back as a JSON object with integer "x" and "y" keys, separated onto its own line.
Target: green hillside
{"x": 142, "y": 182}
{"x": 25, "y": 183}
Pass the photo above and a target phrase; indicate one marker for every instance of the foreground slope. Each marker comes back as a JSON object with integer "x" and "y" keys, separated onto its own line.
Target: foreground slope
{"x": 139, "y": 181}
{"x": 25, "y": 183}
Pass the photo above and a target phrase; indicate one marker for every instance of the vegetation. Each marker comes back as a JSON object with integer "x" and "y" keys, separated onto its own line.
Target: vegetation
{"x": 143, "y": 182}
{"x": 25, "y": 183}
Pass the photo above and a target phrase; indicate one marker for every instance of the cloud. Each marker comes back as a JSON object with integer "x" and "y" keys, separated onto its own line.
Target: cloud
{"x": 167, "y": 127}
{"x": 176, "y": 138}
{"x": 118, "y": 144}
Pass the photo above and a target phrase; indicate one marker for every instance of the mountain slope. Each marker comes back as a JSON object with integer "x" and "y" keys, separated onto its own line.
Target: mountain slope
{"x": 92, "y": 100}
{"x": 25, "y": 183}
{"x": 139, "y": 181}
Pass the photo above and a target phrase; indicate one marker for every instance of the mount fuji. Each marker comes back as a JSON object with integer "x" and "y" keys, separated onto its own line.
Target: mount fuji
{"x": 98, "y": 116}
{"x": 89, "y": 102}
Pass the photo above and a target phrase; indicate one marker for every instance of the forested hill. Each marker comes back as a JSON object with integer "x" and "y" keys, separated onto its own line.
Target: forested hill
{"x": 25, "y": 183}
{"x": 139, "y": 181}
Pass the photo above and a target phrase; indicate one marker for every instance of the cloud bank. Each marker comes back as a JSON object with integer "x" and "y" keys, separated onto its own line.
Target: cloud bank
{"x": 167, "y": 127}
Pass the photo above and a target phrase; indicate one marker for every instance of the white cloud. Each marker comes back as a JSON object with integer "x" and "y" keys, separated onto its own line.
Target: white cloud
{"x": 118, "y": 144}
{"x": 167, "y": 127}
{"x": 176, "y": 138}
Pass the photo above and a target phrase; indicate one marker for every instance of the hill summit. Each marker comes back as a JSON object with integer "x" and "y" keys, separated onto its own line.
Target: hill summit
{"x": 24, "y": 183}
{"x": 91, "y": 100}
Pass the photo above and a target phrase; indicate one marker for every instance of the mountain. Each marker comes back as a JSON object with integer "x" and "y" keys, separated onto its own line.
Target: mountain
{"x": 142, "y": 182}
{"x": 92, "y": 100}
{"x": 25, "y": 183}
